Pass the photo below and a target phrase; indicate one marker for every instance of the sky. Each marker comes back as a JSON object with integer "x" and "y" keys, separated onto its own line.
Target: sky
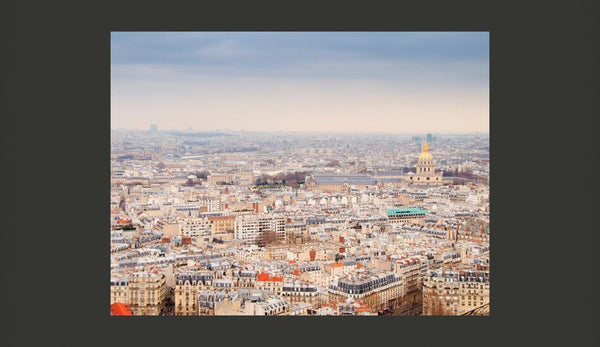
{"x": 393, "y": 82}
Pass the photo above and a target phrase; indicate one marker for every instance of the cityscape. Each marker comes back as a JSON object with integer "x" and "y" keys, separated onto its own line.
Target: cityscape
{"x": 308, "y": 214}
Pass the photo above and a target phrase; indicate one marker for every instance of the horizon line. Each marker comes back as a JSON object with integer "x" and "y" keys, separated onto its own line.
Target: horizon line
{"x": 232, "y": 131}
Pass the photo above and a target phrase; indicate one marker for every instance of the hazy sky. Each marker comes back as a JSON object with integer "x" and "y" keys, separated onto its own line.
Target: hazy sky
{"x": 304, "y": 81}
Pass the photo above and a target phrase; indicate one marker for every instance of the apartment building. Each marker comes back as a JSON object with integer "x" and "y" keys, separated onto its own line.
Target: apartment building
{"x": 380, "y": 291}
{"x": 260, "y": 229}
{"x": 221, "y": 224}
{"x": 195, "y": 227}
{"x": 119, "y": 289}
{"x": 187, "y": 285}
{"x": 270, "y": 283}
{"x": 453, "y": 291}
{"x": 147, "y": 292}
{"x": 298, "y": 291}
{"x": 411, "y": 272}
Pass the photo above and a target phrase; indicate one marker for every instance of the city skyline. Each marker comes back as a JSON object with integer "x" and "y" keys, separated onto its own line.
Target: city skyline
{"x": 227, "y": 131}
{"x": 339, "y": 82}
{"x": 260, "y": 224}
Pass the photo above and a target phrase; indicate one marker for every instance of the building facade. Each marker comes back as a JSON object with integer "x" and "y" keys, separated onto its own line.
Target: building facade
{"x": 454, "y": 291}
{"x": 119, "y": 290}
{"x": 410, "y": 270}
{"x": 195, "y": 227}
{"x": 405, "y": 215}
{"x": 337, "y": 183}
{"x": 380, "y": 292}
{"x": 274, "y": 284}
{"x": 258, "y": 229}
{"x": 187, "y": 286}
{"x": 147, "y": 293}
{"x": 298, "y": 291}
{"x": 221, "y": 224}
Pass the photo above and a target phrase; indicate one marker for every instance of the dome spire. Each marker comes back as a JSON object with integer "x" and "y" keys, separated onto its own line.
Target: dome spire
{"x": 425, "y": 147}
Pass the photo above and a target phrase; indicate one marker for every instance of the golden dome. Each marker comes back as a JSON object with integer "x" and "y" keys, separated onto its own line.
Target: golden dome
{"x": 425, "y": 155}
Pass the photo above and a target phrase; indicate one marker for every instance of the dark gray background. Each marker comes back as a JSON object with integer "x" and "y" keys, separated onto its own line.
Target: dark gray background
{"x": 54, "y": 133}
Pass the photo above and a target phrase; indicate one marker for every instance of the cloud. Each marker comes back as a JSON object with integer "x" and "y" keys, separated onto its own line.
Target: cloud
{"x": 228, "y": 48}
{"x": 289, "y": 47}
{"x": 221, "y": 76}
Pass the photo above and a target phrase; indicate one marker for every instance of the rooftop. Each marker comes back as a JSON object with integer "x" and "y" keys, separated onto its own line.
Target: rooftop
{"x": 120, "y": 309}
{"x": 403, "y": 211}
{"x": 483, "y": 310}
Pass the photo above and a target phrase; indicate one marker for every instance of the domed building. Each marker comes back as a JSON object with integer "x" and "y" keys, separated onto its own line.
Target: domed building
{"x": 425, "y": 170}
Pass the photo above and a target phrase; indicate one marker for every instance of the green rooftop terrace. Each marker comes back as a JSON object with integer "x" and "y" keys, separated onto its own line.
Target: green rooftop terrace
{"x": 404, "y": 211}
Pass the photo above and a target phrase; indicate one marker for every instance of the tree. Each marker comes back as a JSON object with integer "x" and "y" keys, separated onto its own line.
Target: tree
{"x": 267, "y": 238}
{"x": 189, "y": 183}
{"x": 333, "y": 163}
{"x": 293, "y": 179}
{"x": 203, "y": 174}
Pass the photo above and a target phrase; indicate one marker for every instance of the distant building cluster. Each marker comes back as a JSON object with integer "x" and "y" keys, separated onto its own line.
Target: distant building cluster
{"x": 269, "y": 225}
